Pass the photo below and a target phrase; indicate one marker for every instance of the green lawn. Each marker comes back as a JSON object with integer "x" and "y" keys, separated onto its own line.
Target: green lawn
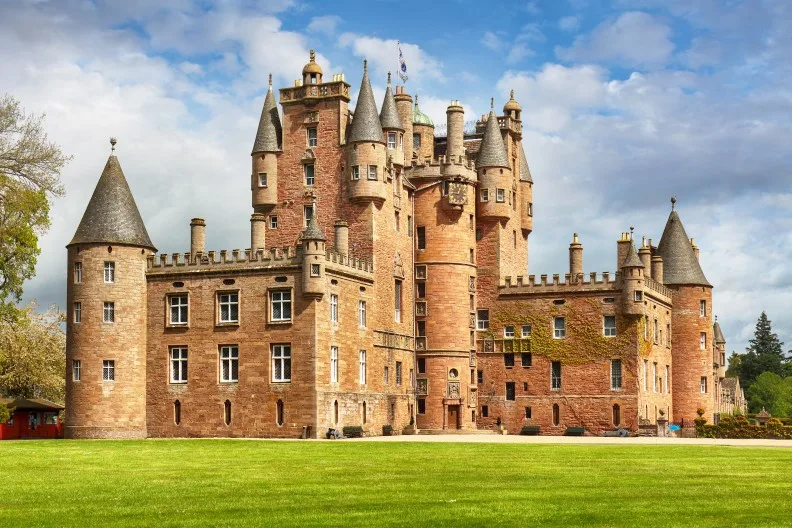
{"x": 266, "y": 483}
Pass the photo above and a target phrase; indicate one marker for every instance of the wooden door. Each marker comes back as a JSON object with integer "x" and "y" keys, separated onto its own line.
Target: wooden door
{"x": 453, "y": 417}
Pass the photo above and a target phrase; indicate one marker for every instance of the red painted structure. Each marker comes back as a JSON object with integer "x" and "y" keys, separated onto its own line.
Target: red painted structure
{"x": 32, "y": 418}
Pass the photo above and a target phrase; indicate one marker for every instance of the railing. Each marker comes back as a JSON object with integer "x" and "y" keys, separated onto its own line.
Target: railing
{"x": 657, "y": 287}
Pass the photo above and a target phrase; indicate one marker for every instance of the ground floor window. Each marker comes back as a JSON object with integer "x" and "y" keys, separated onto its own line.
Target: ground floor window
{"x": 556, "y": 415}
{"x": 616, "y": 414}
{"x": 484, "y": 411}
{"x": 177, "y": 412}
{"x": 227, "y": 412}
{"x": 527, "y": 413}
{"x": 422, "y": 406}
{"x": 279, "y": 412}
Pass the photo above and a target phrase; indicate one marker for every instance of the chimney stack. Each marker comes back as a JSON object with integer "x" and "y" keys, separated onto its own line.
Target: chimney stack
{"x": 575, "y": 258}
{"x": 622, "y": 246}
{"x": 197, "y": 236}
{"x": 342, "y": 237}
{"x": 645, "y": 254}
{"x": 258, "y": 233}
{"x": 657, "y": 268}
{"x": 455, "y": 124}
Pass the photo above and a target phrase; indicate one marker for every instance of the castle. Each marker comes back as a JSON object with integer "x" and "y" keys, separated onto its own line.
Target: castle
{"x": 385, "y": 285}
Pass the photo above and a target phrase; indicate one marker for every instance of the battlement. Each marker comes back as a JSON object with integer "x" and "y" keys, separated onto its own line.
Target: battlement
{"x": 336, "y": 88}
{"x": 658, "y": 288}
{"x": 349, "y": 261}
{"x": 504, "y": 123}
{"x": 441, "y": 166}
{"x": 507, "y": 286}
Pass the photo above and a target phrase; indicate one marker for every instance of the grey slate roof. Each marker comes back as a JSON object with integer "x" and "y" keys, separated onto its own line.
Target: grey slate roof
{"x": 493, "y": 149}
{"x": 389, "y": 117}
{"x": 680, "y": 265}
{"x": 716, "y": 329}
{"x": 729, "y": 383}
{"x": 112, "y": 216}
{"x": 525, "y": 172}
{"x": 632, "y": 260}
{"x": 313, "y": 231}
{"x": 269, "y": 135}
{"x": 366, "y": 123}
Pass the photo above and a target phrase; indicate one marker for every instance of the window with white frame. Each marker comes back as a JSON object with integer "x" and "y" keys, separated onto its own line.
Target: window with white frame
{"x": 77, "y": 312}
{"x": 500, "y": 195}
{"x": 391, "y": 140}
{"x": 108, "y": 314}
{"x": 76, "y": 366}
{"x": 654, "y": 377}
{"x": 362, "y": 314}
{"x": 273, "y": 221}
{"x": 312, "y": 137}
{"x": 703, "y": 341}
{"x": 525, "y": 331}
{"x": 307, "y": 214}
{"x": 362, "y": 367}
{"x": 638, "y": 296}
{"x": 280, "y": 303}
{"x": 616, "y": 374}
{"x": 609, "y": 326}
{"x": 482, "y": 319}
{"x": 77, "y": 272}
{"x": 559, "y": 327}
{"x": 372, "y": 172}
{"x": 262, "y": 179}
{"x": 109, "y": 272}
{"x": 178, "y": 364}
{"x": 334, "y": 364}
{"x": 178, "y": 309}
{"x": 229, "y": 364}
{"x": 229, "y": 307}
{"x": 398, "y": 373}
{"x": 485, "y": 195}
{"x": 703, "y": 384}
{"x": 309, "y": 174}
{"x": 108, "y": 370}
{"x": 397, "y": 300}
{"x": 508, "y": 332}
{"x": 355, "y": 172}
{"x": 656, "y": 331}
{"x": 555, "y": 375}
{"x": 334, "y": 308}
{"x": 281, "y": 363}
{"x": 703, "y": 308}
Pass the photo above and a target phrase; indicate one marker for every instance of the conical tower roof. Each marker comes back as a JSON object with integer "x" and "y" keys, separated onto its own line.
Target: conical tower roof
{"x": 632, "y": 260}
{"x": 525, "y": 172}
{"x": 493, "y": 150}
{"x": 716, "y": 330}
{"x": 269, "y": 134}
{"x": 112, "y": 217}
{"x": 680, "y": 265}
{"x": 389, "y": 116}
{"x": 313, "y": 231}
{"x": 366, "y": 123}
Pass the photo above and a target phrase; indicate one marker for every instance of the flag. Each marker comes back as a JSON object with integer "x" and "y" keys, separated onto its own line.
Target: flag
{"x": 402, "y": 64}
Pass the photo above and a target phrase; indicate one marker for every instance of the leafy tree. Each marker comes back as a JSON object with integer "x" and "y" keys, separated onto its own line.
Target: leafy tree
{"x": 5, "y": 413}
{"x": 772, "y": 392}
{"x": 764, "y": 354}
{"x": 735, "y": 363}
{"x": 33, "y": 355}
{"x": 30, "y": 168}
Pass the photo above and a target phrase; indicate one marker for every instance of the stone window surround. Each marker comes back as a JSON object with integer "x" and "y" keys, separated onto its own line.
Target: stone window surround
{"x": 218, "y": 293}
{"x": 284, "y": 359}
{"x": 168, "y": 296}
{"x": 270, "y": 291}
{"x": 620, "y": 385}
{"x": 77, "y": 312}
{"x": 108, "y": 370}
{"x": 334, "y": 308}
{"x": 108, "y": 312}
{"x": 76, "y": 370}
{"x": 109, "y": 271}
{"x": 262, "y": 179}
{"x": 273, "y": 221}
{"x": 77, "y": 272}
{"x": 608, "y": 331}
{"x": 230, "y": 357}
{"x": 183, "y": 362}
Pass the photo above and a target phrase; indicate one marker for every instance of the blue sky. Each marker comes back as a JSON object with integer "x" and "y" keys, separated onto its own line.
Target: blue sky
{"x": 625, "y": 103}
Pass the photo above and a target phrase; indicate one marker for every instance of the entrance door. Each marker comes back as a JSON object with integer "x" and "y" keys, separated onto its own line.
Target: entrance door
{"x": 453, "y": 417}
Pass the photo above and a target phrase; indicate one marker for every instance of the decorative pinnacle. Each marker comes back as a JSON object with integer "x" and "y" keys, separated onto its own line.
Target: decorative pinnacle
{"x": 365, "y": 64}
{"x": 575, "y": 238}
{"x": 492, "y": 103}
{"x": 312, "y": 55}
{"x": 416, "y": 100}
{"x": 673, "y": 202}
{"x": 511, "y": 94}
{"x": 113, "y": 142}
{"x": 389, "y": 79}
{"x": 270, "y": 80}
{"x": 632, "y": 228}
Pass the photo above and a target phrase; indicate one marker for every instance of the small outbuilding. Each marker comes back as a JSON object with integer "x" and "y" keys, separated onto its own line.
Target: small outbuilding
{"x": 31, "y": 418}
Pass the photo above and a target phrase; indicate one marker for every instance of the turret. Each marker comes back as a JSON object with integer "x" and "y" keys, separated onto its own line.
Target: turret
{"x": 494, "y": 173}
{"x": 392, "y": 127}
{"x": 720, "y": 349}
{"x": 312, "y": 72}
{"x": 107, "y": 312}
{"x": 575, "y": 258}
{"x": 526, "y": 193}
{"x": 632, "y": 273}
{"x": 366, "y": 151}
{"x": 266, "y": 150}
{"x": 423, "y": 133}
{"x": 341, "y": 237}
{"x": 645, "y": 254}
{"x": 512, "y": 108}
{"x": 405, "y": 110}
{"x": 455, "y": 129}
{"x": 313, "y": 268}
{"x": 622, "y": 247}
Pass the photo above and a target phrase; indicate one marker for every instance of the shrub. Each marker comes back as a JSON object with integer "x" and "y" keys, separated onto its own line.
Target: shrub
{"x": 5, "y": 413}
{"x": 740, "y": 427}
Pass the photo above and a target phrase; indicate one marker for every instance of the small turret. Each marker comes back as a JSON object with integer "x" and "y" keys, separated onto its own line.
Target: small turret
{"x": 632, "y": 273}
{"x": 366, "y": 154}
{"x": 680, "y": 265}
{"x": 392, "y": 127}
{"x": 494, "y": 172}
{"x": 266, "y": 150}
{"x": 312, "y": 72}
{"x": 405, "y": 110}
{"x": 526, "y": 193}
{"x": 512, "y": 108}
{"x": 313, "y": 270}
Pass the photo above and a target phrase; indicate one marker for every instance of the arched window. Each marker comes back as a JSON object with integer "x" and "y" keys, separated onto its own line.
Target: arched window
{"x": 279, "y": 412}
{"x": 616, "y": 414}
{"x": 227, "y": 412}
{"x": 364, "y": 412}
{"x": 177, "y": 412}
{"x": 335, "y": 412}
{"x": 556, "y": 415}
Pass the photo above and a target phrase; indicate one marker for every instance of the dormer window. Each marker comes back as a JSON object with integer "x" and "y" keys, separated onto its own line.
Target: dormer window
{"x": 312, "y": 138}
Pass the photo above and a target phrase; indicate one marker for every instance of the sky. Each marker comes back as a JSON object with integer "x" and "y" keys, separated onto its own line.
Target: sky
{"x": 625, "y": 103}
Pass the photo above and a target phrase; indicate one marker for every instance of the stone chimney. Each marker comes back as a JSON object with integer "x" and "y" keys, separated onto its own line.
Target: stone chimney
{"x": 657, "y": 268}
{"x": 575, "y": 258}
{"x": 197, "y": 236}
{"x": 341, "y": 237}
{"x": 258, "y": 233}
{"x": 455, "y": 125}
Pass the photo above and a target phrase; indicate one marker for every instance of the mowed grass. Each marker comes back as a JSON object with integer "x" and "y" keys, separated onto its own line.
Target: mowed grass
{"x": 270, "y": 483}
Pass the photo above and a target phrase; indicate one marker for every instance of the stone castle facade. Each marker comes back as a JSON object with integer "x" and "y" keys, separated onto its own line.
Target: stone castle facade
{"x": 385, "y": 284}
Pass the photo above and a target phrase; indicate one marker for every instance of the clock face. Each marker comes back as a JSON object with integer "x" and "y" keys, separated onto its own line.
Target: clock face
{"x": 457, "y": 193}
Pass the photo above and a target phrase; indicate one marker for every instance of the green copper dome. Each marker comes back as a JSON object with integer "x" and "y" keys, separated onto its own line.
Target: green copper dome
{"x": 419, "y": 118}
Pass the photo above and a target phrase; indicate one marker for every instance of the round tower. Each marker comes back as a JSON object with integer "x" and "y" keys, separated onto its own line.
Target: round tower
{"x": 494, "y": 173}
{"x": 312, "y": 72}
{"x": 645, "y": 254}
{"x": 423, "y": 134}
{"x": 313, "y": 266}
{"x": 392, "y": 128}
{"x": 106, "y": 317}
{"x": 266, "y": 150}
{"x": 632, "y": 274}
{"x": 366, "y": 151}
{"x": 405, "y": 108}
{"x": 455, "y": 130}
{"x": 575, "y": 258}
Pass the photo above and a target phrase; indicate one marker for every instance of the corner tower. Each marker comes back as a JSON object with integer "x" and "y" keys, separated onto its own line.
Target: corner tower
{"x": 106, "y": 308}
{"x": 366, "y": 152}
{"x": 266, "y": 149}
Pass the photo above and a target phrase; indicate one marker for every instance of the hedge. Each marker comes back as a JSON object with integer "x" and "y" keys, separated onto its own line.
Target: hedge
{"x": 740, "y": 427}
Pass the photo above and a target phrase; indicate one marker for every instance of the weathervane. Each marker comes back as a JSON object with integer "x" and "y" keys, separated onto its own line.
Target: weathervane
{"x": 113, "y": 142}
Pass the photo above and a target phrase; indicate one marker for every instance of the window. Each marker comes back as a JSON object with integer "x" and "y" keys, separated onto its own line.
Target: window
{"x": 372, "y": 172}
{"x": 638, "y": 296}
{"x": 307, "y": 214}
{"x": 178, "y": 360}
{"x": 76, "y": 365}
{"x": 362, "y": 367}
{"x": 421, "y": 366}
{"x": 656, "y": 329}
{"x": 667, "y": 376}
{"x": 616, "y": 415}
{"x": 279, "y": 413}
{"x": 280, "y": 301}
{"x": 702, "y": 308}
{"x": 229, "y": 307}
{"x": 510, "y": 392}
{"x": 387, "y": 375}
{"x": 525, "y": 331}
{"x": 227, "y": 412}
{"x": 398, "y": 373}
{"x": 391, "y": 140}
{"x": 421, "y": 405}
{"x": 109, "y": 272}
{"x": 397, "y": 220}
{"x": 556, "y": 415}
{"x": 482, "y": 319}
{"x": 108, "y": 370}
{"x": 333, "y": 364}
{"x": 362, "y": 314}
{"x": 397, "y": 300}
{"x": 420, "y": 290}
{"x": 528, "y": 413}
{"x": 530, "y": 209}
{"x": 109, "y": 312}
{"x": 334, "y": 308}
{"x": 668, "y": 335}
{"x": 312, "y": 140}
{"x": 421, "y": 236}
{"x": 703, "y": 384}
{"x": 281, "y": 363}
{"x": 315, "y": 270}
{"x": 508, "y": 360}
{"x": 480, "y": 377}
{"x": 416, "y": 141}
{"x": 444, "y": 187}
{"x": 646, "y": 374}
{"x": 308, "y": 169}
{"x": 77, "y": 312}
{"x": 646, "y": 327}
{"x": 500, "y": 196}
{"x": 609, "y": 326}
{"x": 229, "y": 364}
{"x": 654, "y": 377}
{"x": 355, "y": 172}
{"x": 273, "y": 222}
{"x": 508, "y": 332}
{"x": 703, "y": 341}
{"x": 484, "y": 411}
{"x": 559, "y": 327}
{"x": 77, "y": 272}
{"x": 616, "y": 374}
{"x": 262, "y": 179}
{"x": 177, "y": 412}
{"x": 526, "y": 359}
{"x": 178, "y": 309}
{"x": 485, "y": 195}
{"x": 555, "y": 375}
{"x": 409, "y": 226}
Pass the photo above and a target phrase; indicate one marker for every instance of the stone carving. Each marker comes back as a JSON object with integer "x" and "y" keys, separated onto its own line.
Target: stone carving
{"x": 454, "y": 390}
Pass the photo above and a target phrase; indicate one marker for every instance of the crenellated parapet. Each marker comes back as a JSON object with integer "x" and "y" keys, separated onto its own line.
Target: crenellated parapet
{"x": 553, "y": 284}
{"x": 441, "y": 167}
{"x": 299, "y": 92}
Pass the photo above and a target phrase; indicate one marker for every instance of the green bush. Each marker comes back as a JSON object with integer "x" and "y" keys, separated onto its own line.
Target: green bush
{"x": 5, "y": 413}
{"x": 740, "y": 427}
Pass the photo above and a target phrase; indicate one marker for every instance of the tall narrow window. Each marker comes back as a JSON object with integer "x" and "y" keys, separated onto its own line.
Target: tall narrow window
{"x": 229, "y": 364}
{"x": 108, "y": 315}
{"x": 279, "y": 413}
{"x": 77, "y": 312}
{"x": 416, "y": 141}
{"x": 362, "y": 367}
{"x": 333, "y": 364}
{"x": 227, "y": 412}
{"x": 555, "y": 375}
{"x": 609, "y": 326}
{"x": 420, "y": 290}
{"x": 510, "y": 391}
{"x": 77, "y": 272}
{"x": 307, "y": 214}
{"x": 616, "y": 374}
{"x": 421, "y": 365}
{"x": 556, "y": 415}
{"x": 559, "y": 327}
{"x": 528, "y": 413}
{"x": 409, "y": 226}
{"x": 281, "y": 363}
{"x": 372, "y": 172}
{"x": 109, "y": 272}
{"x": 362, "y": 314}
{"x": 654, "y": 377}
{"x": 479, "y": 377}
{"x": 262, "y": 179}
{"x": 420, "y": 233}
{"x": 668, "y": 335}
{"x": 178, "y": 309}
{"x": 667, "y": 376}
{"x": 420, "y": 328}
{"x": 656, "y": 333}
{"x": 397, "y": 300}
{"x": 703, "y": 308}
{"x": 703, "y": 341}
{"x": 177, "y": 412}
{"x": 229, "y": 307}
{"x": 387, "y": 374}
{"x": 178, "y": 360}
{"x": 646, "y": 374}
{"x": 312, "y": 138}
{"x": 309, "y": 174}
{"x": 391, "y": 140}
{"x": 355, "y": 172}
{"x": 335, "y": 412}
{"x": 76, "y": 366}
{"x": 108, "y": 370}
{"x": 616, "y": 415}
{"x": 421, "y": 405}
{"x": 280, "y": 303}
{"x": 334, "y": 308}
{"x": 703, "y": 384}
{"x": 364, "y": 412}
{"x": 398, "y": 373}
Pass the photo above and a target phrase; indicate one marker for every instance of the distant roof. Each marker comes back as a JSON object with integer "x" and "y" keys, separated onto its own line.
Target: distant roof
{"x": 269, "y": 135}
{"x": 729, "y": 383}
{"x": 716, "y": 329}
{"x": 680, "y": 265}
{"x": 31, "y": 404}
{"x": 112, "y": 217}
{"x": 419, "y": 118}
{"x": 365, "y": 121}
{"x": 493, "y": 149}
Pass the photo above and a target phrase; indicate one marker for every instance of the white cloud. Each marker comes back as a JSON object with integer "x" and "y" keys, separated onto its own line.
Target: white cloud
{"x": 492, "y": 41}
{"x": 569, "y": 23}
{"x": 518, "y": 52}
{"x": 383, "y": 56}
{"x": 326, "y": 24}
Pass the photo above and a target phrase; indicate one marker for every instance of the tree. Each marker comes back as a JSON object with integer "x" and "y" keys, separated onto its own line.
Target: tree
{"x": 735, "y": 363}
{"x": 33, "y": 355}
{"x": 5, "y": 413}
{"x": 771, "y": 392}
{"x": 764, "y": 354}
{"x": 30, "y": 168}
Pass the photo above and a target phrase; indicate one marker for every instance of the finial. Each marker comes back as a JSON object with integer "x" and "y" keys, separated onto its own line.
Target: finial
{"x": 270, "y": 80}
{"x": 575, "y": 238}
{"x": 492, "y": 103}
{"x": 388, "y": 78}
{"x": 416, "y": 100}
{"x": 113, "y": 142}
{"x": 673, "y": 202}
{"x": 511, "y": 95}
{"x": 365, "y": 64}
{"x": 631, "y": 232}
{"x": 312, "y": 54}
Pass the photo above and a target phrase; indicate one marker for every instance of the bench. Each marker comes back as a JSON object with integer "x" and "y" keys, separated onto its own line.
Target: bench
{"x": 529, "y": 430}
{"x": 575, "y": 431}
